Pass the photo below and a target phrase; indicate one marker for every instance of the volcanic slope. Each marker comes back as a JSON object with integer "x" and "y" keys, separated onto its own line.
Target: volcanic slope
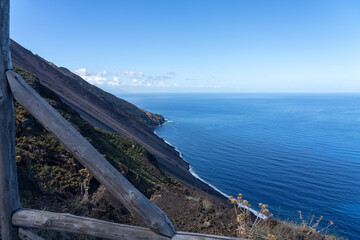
{"x": 108, "y": 112}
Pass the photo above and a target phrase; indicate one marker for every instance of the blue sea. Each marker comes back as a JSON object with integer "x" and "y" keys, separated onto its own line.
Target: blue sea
{"x": 290, "y": 151}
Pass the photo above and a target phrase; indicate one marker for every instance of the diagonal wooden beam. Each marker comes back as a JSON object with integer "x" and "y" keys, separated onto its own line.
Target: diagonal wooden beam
{"x": 9, "y": 193}
{"x": 97, "y": 165}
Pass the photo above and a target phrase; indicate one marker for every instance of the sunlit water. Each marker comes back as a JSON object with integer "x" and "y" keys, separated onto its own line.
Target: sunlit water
{"x": 293, "y": 152}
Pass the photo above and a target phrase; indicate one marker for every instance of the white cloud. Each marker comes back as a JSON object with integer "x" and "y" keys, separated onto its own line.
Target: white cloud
{"x": 95, "y": 79}
{"x": 139, "y": 82}
{"x": 123, "y": 78}
{"x": 115, "y": 82}
{"x": 91, "y": 78}
{"x": 81, "y": 72}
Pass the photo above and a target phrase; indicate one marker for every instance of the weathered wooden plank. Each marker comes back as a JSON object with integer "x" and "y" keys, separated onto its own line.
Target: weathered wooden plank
{"x": 97, "y": 165}
{"x": 81, "y": 225}
{"x": 25, "y": 234}
{"x": 200, "y": 236}
{"x": 9, "y": 195}
{"x": 4, "y": 35}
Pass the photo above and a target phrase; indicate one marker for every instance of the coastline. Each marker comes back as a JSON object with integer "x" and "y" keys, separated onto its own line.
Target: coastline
{"x": 195, "y": 175}
{"x": 190, "y": 169}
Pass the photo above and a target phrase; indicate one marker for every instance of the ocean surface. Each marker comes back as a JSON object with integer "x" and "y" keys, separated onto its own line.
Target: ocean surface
{"x": 290, "y": 151}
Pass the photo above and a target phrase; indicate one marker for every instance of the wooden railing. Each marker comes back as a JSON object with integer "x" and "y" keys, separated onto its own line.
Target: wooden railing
{"x": 14, "y": 220}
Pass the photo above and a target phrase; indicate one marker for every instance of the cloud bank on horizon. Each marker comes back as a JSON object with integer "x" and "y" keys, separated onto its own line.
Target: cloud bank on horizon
{"x": 120, "y": 80}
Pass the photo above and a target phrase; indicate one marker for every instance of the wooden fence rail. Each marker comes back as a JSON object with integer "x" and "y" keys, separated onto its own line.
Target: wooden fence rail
{"x": 81, "y": 225}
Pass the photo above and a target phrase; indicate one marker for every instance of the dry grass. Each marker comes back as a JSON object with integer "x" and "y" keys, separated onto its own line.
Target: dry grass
{"x": 262, "y": 226}
{"x": 207, "y": 204}
{"x": 195, "y": 199}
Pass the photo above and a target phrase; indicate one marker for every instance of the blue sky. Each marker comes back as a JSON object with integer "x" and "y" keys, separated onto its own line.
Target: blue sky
{"x": 198, "y": 45}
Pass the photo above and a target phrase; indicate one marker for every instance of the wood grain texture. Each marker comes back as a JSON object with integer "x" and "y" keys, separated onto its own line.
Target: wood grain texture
{"x": 97, "y": 228}
{"x": 9, "y": 194}
{"x": 81, "y": 225}
{"x": 201, "y": 236}
{"x": 5, "y": 53}
{"x": 97, "y": 165}
{"x": 25, "y": 234}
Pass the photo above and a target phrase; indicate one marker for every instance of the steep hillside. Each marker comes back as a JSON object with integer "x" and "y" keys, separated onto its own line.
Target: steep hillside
{"x": 107, "y": 112}
{"x": 51, "y": 178}
{"x": 73, "y": 88}
{"x": 55, "y": 167}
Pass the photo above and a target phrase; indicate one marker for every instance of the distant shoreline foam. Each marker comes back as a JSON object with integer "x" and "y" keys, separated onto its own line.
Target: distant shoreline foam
{"x": 198, "y": 177}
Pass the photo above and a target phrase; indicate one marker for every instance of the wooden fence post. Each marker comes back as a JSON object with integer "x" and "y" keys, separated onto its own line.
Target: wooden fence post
{"x": 9, "y": 193}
